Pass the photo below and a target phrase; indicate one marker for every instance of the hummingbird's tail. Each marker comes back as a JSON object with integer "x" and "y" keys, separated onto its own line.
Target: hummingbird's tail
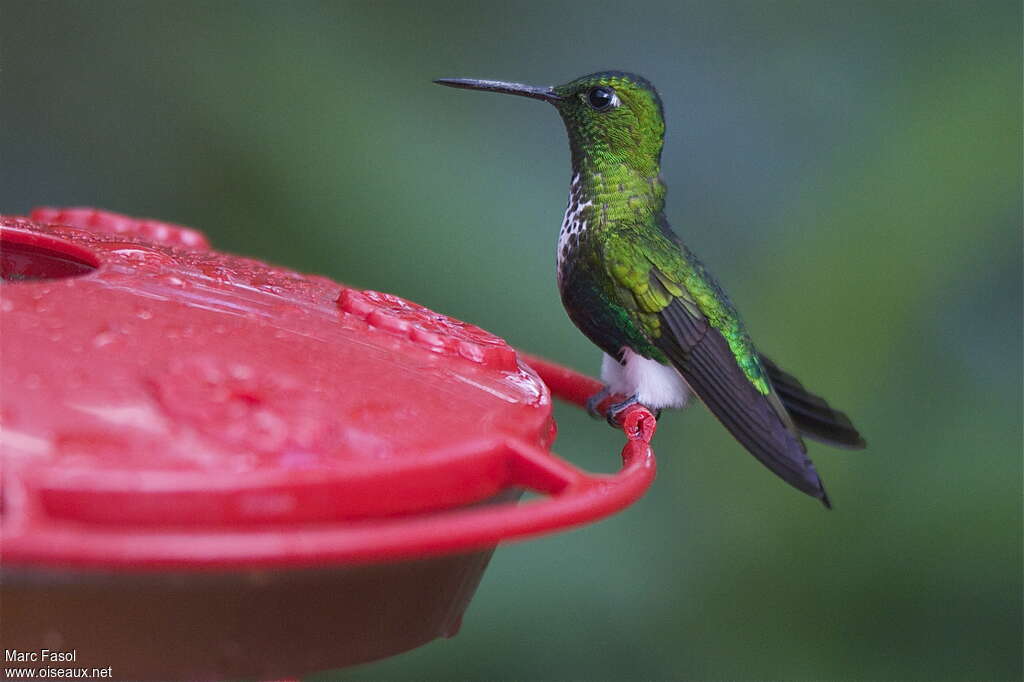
{"x": 813, "y": 417}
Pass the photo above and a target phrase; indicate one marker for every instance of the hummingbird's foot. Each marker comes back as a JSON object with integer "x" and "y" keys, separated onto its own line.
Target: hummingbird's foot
{"x": 594, "y": 403}
{"x": 615, "y": 410}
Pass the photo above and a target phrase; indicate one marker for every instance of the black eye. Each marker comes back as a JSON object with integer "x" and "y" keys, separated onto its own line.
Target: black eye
{"x": 600, "y": 98}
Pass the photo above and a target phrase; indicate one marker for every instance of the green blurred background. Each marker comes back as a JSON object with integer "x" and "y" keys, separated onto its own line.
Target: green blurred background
{"x": 851, "y": 171}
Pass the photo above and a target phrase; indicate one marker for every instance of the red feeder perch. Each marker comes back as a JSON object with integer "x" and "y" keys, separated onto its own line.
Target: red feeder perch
{"x": 217, "y": 468}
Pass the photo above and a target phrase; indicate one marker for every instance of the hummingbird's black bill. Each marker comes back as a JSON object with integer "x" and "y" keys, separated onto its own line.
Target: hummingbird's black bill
{"x": 546, "y": 94}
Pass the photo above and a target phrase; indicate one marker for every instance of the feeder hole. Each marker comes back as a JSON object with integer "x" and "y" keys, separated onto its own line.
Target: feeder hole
{"x": 23, "y": 259}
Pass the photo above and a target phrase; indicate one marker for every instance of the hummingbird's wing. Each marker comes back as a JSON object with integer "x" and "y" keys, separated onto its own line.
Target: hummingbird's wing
{"x": 687, "y": 317}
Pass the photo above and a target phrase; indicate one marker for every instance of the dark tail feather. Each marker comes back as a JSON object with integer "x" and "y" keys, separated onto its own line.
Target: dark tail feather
{"x": 811, "y": 414}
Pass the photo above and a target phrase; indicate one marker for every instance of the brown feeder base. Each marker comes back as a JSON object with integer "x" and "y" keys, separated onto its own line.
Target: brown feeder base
{"x": 255, "y": 624}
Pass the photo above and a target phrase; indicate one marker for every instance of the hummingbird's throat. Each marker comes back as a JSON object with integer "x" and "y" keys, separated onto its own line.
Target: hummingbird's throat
{"x": 601, "y": 201}
{"x": 575, "y": 222}
{"x": 619, "y": 192}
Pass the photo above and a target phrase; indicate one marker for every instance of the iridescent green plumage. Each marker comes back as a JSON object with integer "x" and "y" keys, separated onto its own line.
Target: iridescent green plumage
{"x": 617, "y": 155}
{"x": 631, "y": 285}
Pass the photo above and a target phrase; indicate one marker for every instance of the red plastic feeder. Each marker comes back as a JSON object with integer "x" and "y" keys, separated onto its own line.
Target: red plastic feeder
{"x": 215, "y": 468}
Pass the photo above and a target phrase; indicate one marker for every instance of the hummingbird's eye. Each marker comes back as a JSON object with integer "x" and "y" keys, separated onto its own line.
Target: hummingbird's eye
{"x": 601, "y": 98}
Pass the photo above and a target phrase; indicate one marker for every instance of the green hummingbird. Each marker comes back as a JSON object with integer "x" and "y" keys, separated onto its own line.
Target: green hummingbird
{"x": 666, "y": 327}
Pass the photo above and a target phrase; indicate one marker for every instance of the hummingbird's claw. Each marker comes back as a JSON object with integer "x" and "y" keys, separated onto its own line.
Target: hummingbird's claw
{"x": 594, "y": 403}
{"x": 616, "y": 409}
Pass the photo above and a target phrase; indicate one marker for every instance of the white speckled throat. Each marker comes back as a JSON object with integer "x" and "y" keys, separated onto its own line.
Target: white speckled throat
{"x": 574, "y": 224}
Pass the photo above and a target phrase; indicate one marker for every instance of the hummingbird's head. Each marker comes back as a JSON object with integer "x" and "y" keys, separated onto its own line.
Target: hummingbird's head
{"x": 613, "y": 118}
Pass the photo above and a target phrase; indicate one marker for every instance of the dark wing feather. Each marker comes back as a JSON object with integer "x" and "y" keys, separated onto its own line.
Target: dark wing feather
{"x": 702, "y": 355}
{"x": 814, "y": 417}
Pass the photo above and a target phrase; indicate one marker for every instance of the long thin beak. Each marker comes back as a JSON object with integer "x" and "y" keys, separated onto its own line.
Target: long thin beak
{"x": 546, "y": 94}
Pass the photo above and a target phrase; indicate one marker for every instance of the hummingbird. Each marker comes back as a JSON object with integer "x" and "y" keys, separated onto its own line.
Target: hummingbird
{"x": 666, "y": 327}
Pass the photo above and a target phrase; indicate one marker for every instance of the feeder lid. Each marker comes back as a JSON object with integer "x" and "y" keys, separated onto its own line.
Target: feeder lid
{"x": 167, "y": 405}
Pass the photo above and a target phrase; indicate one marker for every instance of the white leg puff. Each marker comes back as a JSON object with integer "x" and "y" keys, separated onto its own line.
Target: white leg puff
{"x": 655, "y": 385}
